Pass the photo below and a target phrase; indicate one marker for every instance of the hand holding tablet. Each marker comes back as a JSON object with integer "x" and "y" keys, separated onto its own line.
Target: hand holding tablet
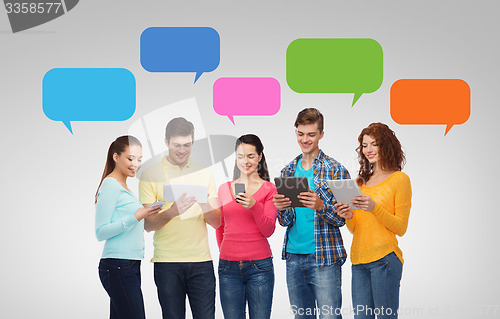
{"x": 173, "y": 192}
{"x": 364, "y": 202}
{"x": 281, "y": 202}
{"x": 182, "y": 204}
{"x": 311, "y": 200}
{"x": 343, "y": 210}
{"x": 184, "y": 196}
{"x": 290, "y": 187}
{"x": 345, "y": 190}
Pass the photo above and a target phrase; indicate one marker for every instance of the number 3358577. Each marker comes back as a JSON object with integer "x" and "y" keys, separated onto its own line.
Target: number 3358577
{"x": 32, "y": 8}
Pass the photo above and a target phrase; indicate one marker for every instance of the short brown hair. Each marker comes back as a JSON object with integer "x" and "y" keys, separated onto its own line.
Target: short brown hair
{"x": 179, "y": 126}
{"x": 310, "y": 115}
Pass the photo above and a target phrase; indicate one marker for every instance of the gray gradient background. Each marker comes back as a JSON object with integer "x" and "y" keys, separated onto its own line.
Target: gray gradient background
{"x": 49, "y": 251}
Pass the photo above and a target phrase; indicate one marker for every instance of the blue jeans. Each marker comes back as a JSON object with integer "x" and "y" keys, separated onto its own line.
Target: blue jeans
{"x": 313, "y": 290}
{"x": 375, "y": 288}
{"x": 246, "y": 281}
{"x": 176, "y": 280}
{"x": 122, "y": 280}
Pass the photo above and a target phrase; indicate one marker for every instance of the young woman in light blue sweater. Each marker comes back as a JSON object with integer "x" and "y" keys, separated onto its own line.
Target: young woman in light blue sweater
{"x": 119, "y": 220}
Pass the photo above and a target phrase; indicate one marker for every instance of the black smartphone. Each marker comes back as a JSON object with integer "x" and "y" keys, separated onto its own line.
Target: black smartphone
{"x": 238, "y": 188}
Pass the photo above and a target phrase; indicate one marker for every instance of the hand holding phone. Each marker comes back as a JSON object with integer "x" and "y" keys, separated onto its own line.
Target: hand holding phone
{"x": 238, "y": 188}
{"x": 157, "y": 203}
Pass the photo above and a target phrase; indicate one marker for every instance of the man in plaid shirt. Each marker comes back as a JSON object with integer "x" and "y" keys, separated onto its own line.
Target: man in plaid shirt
{"x": 313, "y": 247}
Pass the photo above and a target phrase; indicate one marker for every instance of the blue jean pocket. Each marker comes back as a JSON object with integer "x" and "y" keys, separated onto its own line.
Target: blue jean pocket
{"x": 380, "y": 262}
{"x": 105, "y": 277}
{"x": 264, "y": 264}
{"x": 117, "y": 264}
{"x": 223, "y": 266}
{"x": 384, "y": 261}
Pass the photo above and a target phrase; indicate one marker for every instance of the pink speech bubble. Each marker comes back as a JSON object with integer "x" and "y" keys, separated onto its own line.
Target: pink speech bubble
{"x": 246, "y": 96}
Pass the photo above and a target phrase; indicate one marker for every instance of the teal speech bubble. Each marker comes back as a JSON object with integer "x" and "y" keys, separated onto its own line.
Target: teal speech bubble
{"x": 88, "y": 94}
{"x": 334, "y": 66}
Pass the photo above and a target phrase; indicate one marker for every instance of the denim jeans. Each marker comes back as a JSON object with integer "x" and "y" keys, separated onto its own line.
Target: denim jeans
{"x": 375, "y": 288}
{"x": 313, "y": 290}
{"x": 176, "y": 280}
{"x": 246, "y": 281}
{"x": 122, "y": 280}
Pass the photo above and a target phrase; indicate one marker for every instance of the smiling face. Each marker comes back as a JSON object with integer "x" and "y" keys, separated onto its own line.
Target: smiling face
{"x": 179, "y": 149}
{"x": 129, "y": 161}
{"x": 370, "y": 149}
{"x": 308, "y": 137}
{"x": 247, "y": 159}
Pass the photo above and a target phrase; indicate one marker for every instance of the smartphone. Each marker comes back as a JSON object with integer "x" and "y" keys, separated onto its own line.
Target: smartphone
{"x": 238, "y": 188}
{"x": 158, "y": 203}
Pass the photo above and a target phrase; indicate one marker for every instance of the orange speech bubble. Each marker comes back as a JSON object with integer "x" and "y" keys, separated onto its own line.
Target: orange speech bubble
{"x": 430, "y": 101}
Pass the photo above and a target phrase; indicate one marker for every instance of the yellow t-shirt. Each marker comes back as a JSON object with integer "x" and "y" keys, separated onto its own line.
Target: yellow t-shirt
{"x": 374, "y": 233}
{"x": 181, "y": 239}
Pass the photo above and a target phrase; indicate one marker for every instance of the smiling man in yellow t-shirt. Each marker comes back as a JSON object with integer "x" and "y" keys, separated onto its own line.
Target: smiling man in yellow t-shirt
{"x": 182, "y": 262}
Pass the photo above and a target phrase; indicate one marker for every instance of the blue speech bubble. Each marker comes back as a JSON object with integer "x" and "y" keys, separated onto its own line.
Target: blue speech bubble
{"x": 180, "y": 49}
{"x": 91, "y": 94}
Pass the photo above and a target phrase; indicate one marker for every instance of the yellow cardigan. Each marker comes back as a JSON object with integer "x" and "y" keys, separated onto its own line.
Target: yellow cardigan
{"x": 374, "y": 233}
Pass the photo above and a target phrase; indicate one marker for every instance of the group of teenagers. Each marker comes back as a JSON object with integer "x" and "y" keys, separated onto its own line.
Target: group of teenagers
{"x": 313, "y": 246}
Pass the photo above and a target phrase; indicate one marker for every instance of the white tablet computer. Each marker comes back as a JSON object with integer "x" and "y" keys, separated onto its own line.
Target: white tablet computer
{"x": 172, "y": 192}
{"x": 345, "y": 190}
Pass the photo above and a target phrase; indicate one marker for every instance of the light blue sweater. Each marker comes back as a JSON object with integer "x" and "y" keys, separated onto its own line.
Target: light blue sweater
{"x": 115, "y": 222}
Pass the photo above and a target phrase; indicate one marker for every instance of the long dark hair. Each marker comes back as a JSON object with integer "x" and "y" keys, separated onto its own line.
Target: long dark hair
{"x": 118, "y": 146}
{"x": 392, "y": 157}
{"x": 254, "y": 140}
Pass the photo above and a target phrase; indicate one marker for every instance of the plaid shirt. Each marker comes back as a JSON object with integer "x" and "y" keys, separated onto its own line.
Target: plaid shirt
{"x": 328, "y": 242}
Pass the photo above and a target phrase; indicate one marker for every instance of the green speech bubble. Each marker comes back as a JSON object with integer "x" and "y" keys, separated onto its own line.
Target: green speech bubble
{"x": 334, "y": 66}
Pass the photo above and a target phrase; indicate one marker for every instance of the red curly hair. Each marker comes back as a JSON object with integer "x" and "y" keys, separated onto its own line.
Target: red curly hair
{"x": 392, "y": 157}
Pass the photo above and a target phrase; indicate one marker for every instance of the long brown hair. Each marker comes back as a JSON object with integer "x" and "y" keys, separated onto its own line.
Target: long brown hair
{"x": 118, "y": 146}
{"x": 391, "y": 155}
{"x": 253, "y": 140}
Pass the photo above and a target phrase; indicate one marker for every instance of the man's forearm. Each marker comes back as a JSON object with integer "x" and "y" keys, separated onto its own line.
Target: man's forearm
{"x": 158, "y": 221}
{"x": 212, "y": 217}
